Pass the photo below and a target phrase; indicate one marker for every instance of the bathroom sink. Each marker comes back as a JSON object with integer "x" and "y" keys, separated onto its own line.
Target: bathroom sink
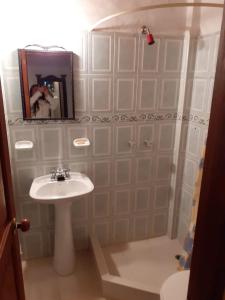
{"x": 62, "y": 193}
{"x": 44, "y": 190}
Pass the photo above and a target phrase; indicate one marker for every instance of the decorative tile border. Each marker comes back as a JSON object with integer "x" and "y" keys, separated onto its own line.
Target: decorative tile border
{"x": 117, "y": 118}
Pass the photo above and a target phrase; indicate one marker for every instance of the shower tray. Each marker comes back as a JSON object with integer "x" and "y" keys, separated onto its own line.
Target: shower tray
{"x": 135, "y": 270}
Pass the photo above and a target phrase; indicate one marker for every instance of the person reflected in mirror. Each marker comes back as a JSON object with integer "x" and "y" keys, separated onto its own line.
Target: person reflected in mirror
{"x": 42, "y": 102}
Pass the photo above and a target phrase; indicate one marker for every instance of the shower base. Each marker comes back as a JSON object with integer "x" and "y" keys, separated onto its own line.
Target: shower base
{"x": 135, "y": 270}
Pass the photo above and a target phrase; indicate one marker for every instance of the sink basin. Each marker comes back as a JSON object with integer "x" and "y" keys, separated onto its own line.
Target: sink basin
{"x": 44, "y": 190}
{"x": 62, "y": 194}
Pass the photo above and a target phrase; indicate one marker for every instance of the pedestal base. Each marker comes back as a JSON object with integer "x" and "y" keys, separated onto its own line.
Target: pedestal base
{"x": 64, "y": 253}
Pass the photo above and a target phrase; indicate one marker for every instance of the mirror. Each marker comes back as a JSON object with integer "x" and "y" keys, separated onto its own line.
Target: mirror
{"x": 46, "y": 84}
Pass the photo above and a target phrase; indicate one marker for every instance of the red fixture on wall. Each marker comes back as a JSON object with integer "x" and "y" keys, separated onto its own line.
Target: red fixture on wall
{"x": 149, "y": 36}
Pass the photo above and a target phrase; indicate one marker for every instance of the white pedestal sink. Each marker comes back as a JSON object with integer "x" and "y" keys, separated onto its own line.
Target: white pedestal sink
{"x": 62, "y": 194}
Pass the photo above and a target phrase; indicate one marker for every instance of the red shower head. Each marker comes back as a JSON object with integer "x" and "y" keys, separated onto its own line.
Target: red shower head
{"x": 149, "y": 37}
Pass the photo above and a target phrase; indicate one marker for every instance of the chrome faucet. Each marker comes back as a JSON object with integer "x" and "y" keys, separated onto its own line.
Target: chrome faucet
{"x": 60, "y": 174}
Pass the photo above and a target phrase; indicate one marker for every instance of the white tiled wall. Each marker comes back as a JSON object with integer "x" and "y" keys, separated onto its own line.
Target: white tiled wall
{"x": 130, "y": 160}
{"x": 201, "y": 73}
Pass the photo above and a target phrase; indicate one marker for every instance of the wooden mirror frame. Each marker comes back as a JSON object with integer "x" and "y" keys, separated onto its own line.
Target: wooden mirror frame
{"x": 24, "y": 82}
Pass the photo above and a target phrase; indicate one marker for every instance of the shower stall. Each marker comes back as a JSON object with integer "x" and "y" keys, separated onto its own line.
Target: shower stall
{"x": 159, "y": 145}
{"x": 175, "y": 80}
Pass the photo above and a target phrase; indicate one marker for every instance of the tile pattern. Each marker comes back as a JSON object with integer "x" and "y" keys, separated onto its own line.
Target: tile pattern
{"x": 127, "y": 105}
{"x": 201, "y": 73}
{"x": 117, "y": 118}
{"x": 42, "y": 282}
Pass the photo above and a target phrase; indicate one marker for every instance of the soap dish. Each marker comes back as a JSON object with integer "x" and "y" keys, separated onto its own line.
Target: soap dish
{"x": 81, "y": 142}
{"x": 24, "y": 145}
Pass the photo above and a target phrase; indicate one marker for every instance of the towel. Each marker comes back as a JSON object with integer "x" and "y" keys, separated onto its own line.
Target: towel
{"x": 185, "y": 257}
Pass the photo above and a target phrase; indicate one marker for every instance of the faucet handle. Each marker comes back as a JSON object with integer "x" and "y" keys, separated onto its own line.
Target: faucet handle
{"x": 67, "y": 172}
{"x": 53, "y": 173}
{"x": 59, "y": 170}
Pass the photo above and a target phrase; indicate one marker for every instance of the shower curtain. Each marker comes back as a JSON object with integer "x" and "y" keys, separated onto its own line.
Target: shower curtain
{"x": 185, "y": 257}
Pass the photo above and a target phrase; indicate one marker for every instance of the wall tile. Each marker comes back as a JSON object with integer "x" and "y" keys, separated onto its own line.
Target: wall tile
{"x": 101, "y": 94}
{"x": 102, "y": 141}
{"x": 101, "y": 204}
{"x": 186, "y": 205}
{"x": 81, "y": 94}
{"x": 33, "y": 245}
{"x": 13, "y": 94}
{"x": 122, "y": 202}
{"x": 190, "y": 168}
{"x": 173, "y": 55}
{"x": 182, "y": 231}
{"x": 199, "y": 89}
{"x": 121, "y": 230}
{"x": 204, "y": 136}
{"x": 164, "y": 167}
{"x": 166, "y": 137}
{"x": 80, "y": 58}
{"x": 149, "y": 58}
{"x": 101, "y": 173}
{"x": 215, "y": 52}
{"x": 147, "y": 93}
{"x": 21, "y": 134}
{"x": 125, "y": 94}
{"x": 72, "y": 133}
{"x": 210, "y": 95}
{"x": 200, "y": 55}
{"x": 81, "y": 167}
{"x": 122, "y": 171}
{"x": 24, "y": 178}
{"x": 101, "y": 52}
{"x": 80, "y": 232}
{"x": 160, "y": 224}
{"x": 193, "y": 143}
{"x": 48, "y": 241}
{"x": 79, "y": 208}
{"x": 10, "y": 60}
{"x": 102, "y": 231}
{"x": 144, "y": 170}
{"x": 51, "y": 143}
{"x": 141, "y": 227}
{"x": 142, "y": 200}
{"x": 162, "y": 194}
{"x": 203, "y": 55}
{"x": 51, "y": 214}
{"x": 146, "y": 136}
{"x": 126, "y": 55}
{"x": 124, "y": 136}
{"x": 184, "y": 135}
{"x": 169, "y": 94}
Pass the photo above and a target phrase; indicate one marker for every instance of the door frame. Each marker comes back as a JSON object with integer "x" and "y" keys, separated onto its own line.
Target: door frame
{"x": 9, "y": 239}
{"x": 207, "y": 276}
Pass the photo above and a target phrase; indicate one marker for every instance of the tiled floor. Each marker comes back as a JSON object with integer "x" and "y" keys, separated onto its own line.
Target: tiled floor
{"x": 42, "y": 283}
{"x": 149, "y": 262}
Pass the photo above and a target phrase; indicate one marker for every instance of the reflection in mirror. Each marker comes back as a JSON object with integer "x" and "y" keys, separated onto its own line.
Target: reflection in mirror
{"x": 47, "y": 84}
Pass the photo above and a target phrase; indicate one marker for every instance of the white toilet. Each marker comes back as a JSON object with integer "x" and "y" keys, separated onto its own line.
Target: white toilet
{"x": 176, "y": 286}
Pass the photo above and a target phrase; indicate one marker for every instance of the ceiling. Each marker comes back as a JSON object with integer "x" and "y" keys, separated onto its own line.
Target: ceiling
{"x": 161, "y": 20}
{"x": 60, "y": 22}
